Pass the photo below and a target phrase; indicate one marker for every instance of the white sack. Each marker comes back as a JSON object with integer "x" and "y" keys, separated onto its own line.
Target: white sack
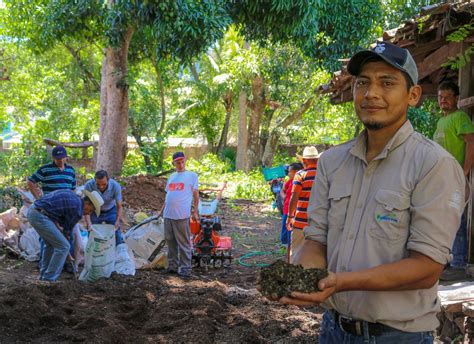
{"x": 100, "y": 253}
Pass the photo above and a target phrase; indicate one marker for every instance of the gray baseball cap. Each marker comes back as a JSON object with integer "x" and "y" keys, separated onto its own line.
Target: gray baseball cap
{"x": 395, "y": 56}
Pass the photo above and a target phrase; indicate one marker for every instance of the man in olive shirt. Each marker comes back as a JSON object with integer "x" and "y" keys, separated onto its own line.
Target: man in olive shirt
{"x": 381, "y": 216}
{"x": 455, "y": 133}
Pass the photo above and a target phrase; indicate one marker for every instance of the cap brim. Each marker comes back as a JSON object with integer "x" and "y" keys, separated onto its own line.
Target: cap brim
{"x": 180, "y": 158}
{"x": 357, "y": 61}
{"x": 60, "y": 157}
{"x": 93, "y": 200}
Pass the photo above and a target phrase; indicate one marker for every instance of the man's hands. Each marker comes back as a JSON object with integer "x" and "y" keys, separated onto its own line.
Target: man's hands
{"x": 288, "y": 222}
{"x": 195, "y": 215}
{"x": 328, "y": 287}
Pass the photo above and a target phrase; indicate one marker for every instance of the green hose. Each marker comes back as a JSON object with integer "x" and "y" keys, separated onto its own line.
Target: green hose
{"x": 257, "y": 253}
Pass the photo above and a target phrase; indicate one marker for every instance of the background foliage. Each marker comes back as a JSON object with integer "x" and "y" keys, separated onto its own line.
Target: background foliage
{"x": 186, "y": 59}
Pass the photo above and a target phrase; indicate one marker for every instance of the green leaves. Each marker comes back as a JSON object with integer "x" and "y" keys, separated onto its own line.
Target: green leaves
{"x": 460, "y": 34}
{"x": 460, "y": 60}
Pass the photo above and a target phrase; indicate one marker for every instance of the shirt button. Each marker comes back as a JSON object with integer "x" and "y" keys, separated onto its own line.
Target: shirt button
{"x": 343, "y": 269}
{"x": 351, "y": 236}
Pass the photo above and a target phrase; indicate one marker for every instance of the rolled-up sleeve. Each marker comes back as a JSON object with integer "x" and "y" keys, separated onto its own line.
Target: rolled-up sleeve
{"x": 436, "y": 208}
{"x": 318, "y": 207}
{"x": 36, "y": 177}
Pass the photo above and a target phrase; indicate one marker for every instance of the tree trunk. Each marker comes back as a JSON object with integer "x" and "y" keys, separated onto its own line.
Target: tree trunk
{"x": 242, "y": 139}
{"x": 113, "y": 131}
{"x": 194, "y": 72}
{"x": 228, "y": 104}
{"x": 258, "y": 107}
{"x": 275, "y": 134}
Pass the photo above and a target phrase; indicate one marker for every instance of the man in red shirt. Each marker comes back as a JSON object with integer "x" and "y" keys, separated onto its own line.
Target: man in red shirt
{"x": 285, "y": 193}
{"x": 302, "y": 184}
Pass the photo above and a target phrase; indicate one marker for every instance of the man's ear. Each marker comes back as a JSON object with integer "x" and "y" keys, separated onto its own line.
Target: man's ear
{"x": 414, "y": 95}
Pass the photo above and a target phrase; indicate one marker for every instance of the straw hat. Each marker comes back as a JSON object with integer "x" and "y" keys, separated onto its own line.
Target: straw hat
{"x": 309, "y": 152}
{"x": 96, "y": 199}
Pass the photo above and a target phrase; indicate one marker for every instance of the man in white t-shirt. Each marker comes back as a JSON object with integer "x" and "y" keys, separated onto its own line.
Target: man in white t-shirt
{"x": 182, "y": 192}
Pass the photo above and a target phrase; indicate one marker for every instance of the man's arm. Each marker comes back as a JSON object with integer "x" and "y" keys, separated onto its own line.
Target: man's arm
{"x": 469, "y": 154}
{"x": 311, "y": 255}
{"x": 87, "y": 219}
{"x": 292, "y": 206}
{"x": 119, "y": 214}
{"x": 160, "y": 213}
{"x": 34, "y": 189}
{"x": 195, "y": 204}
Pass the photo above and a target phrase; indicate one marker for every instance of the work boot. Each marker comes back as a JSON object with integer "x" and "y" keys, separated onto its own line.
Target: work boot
{"x": 454, "y": 274}
{"x": 170, "y": 271}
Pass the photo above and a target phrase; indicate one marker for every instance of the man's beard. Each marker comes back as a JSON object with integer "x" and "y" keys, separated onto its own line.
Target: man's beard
{"x": 374, "y": 125}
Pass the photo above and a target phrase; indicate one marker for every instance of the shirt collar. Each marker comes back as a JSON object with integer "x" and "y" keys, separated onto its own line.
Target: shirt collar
{"x": 359, "y": 149}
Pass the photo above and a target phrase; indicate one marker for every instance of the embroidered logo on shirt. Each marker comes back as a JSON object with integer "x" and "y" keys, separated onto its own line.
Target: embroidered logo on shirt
{"x": 176, "y": 187}
{"x": 392, "y": 217}
{"x": 456, "y": 200}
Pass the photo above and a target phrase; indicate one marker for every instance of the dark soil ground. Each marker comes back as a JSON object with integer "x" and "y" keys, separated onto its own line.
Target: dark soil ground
{"x": 214, "y": 306}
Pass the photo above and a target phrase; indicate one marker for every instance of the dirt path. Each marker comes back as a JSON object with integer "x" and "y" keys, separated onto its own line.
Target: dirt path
{"x": 215, "y": 306}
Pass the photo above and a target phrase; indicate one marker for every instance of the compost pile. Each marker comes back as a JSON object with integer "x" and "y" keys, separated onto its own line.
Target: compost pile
{"x": 143, "y": 193}
{"x": 281, "y": 279}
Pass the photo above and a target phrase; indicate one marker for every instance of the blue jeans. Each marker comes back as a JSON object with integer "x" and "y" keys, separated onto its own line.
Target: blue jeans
{"x": 285, "y": 236}
{"x": 460, "y": 246}
{"x": 332, "y": 333}
{"x": 109, "y": 217}
{"x": 56, "y": 246}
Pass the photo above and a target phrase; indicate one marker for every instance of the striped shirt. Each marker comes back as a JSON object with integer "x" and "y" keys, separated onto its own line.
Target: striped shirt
{"x": 52, "y": 178}
{"x": 303, "y": 183}
{"x": 62, "y": 206}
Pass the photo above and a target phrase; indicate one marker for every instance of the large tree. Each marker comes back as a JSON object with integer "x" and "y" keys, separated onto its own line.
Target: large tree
{"x": 180, "y": 29}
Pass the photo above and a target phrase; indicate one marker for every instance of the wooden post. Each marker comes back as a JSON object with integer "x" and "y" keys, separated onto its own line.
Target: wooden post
{"x": 466, "y": 90}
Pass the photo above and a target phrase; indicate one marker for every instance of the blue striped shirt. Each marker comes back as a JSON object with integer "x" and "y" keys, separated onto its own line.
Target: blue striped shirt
{"x": 52, "y": 178}
{"x": 62, "y": 206}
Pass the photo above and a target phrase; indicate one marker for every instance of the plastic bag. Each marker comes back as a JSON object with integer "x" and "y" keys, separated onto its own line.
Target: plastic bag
{"x": 99, "y": 254}
{"x": 29, "y": 244}
{"x": 124, "y": 265}
{"x": 146, "y": 242}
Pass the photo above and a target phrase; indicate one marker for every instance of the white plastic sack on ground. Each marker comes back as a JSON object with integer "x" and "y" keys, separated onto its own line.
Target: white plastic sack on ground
{"x": 100, "y": 253}
{"x": 79, "y": 233}
{"x": 29, "y": 244}
{"x": 146, "y": 242}
{"x": 124, "y": 264}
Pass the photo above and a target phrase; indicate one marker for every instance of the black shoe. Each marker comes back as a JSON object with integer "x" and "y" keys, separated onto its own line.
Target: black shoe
{"x": 170, "y": 271}
{"x": 454, "y": 274}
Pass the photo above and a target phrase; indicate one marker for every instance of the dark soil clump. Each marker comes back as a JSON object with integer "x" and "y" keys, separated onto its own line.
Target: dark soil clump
{"x": 281, "y": 278}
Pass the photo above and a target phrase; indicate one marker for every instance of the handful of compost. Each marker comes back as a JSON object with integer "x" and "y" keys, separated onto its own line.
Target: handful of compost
{"x": 281, "y": 279}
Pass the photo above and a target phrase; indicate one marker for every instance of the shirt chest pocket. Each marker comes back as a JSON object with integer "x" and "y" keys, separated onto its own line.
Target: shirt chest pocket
{"x": 392, "y": 215}
{"x": 339, "y": 197}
